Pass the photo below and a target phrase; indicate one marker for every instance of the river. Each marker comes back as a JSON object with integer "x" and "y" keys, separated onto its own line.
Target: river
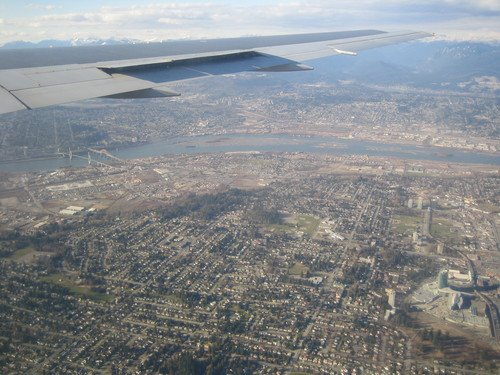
{"x": 266, "y": 143}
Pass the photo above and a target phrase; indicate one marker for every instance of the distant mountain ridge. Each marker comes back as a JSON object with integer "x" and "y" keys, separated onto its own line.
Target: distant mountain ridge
{"x": 417, "y": 64}
{"x": 67, "y": 43}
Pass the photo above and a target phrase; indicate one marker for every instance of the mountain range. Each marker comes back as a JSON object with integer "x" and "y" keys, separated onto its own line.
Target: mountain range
{"x": 48, "y": 43}
{"x": 457, "y": 64}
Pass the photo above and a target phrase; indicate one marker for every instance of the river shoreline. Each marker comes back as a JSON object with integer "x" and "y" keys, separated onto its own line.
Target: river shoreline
{"x": 265, "y": 143}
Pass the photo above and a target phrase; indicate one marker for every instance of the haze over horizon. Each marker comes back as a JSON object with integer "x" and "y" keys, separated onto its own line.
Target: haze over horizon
{"x": 162, "y": 20}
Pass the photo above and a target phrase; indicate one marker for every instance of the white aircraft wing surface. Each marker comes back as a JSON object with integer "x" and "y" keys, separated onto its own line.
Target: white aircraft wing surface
{"x": 35, "y": 78}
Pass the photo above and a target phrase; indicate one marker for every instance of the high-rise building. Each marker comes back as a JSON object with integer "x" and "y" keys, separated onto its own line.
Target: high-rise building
{"x": 426, "y": 227}
{"x": 391, "y": 297}
{"x": 415, "y": 237}
{"x": 442, "y": 279}
{"x": 394, "y": 298}
{"x": 410, "y": 203}
{"x": 420, "y": 203}
{"x": 440, "y": 248}
{"x": 457, "y": 301}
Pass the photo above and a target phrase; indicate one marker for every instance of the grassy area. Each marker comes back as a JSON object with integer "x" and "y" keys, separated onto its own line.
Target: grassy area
{"x": 405, "y": 224}
{"x": 22, "y": 253}
{"x": 440, "y": 229}
{"x": 84, "y": 291}
{"x": 279, "y": 228}
{"x": 235, "y": 308}
{"x": 303, "y": 223}
{"x": 307, "y": 224}
{"x": 298, "y": 269}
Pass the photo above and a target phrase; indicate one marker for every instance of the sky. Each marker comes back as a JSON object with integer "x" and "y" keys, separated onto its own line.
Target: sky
{"x": 32, "y": 20}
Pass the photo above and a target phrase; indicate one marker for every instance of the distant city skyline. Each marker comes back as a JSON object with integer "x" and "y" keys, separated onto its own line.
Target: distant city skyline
{"x": 162, "y": 20}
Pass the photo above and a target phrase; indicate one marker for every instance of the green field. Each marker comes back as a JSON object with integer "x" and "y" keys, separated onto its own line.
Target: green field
{"x": 440, "y": 229}
{"x": 303, "y": 223}
{"x": 307, "y": 224}
{"x": 73, "y": 288}
{"x": 22, "y": 253}
{"x": 298, "y": 269}
{"x": 279, "y": 228}
{"x": 405, "y": 224}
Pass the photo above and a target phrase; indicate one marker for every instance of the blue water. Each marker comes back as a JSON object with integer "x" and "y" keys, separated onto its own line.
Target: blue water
{"x": 268, "y": 143}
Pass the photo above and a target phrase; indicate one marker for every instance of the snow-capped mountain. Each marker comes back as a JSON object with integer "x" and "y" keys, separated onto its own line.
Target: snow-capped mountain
{"x": 67, "y": 43}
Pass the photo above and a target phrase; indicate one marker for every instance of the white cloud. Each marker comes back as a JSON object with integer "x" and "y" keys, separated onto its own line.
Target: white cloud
{"x": 38, "y": 6}
{"x": 454, "y": 18}
{"x": 468, "y": 28}
{"x": 488, "y": 5}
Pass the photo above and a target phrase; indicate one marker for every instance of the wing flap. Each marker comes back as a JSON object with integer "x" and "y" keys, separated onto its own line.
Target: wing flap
{"x": 181, "y": 68}
{"x": 9, "y": 103}
{"x": 59, "y": 77}
{"x": 15, "y": 80}
{"x": 158, "y": 92}
{"x": 21, "y": 79}
{"x": 58, "y": 94}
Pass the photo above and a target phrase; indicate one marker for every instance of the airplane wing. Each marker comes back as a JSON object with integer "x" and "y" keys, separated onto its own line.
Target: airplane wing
{"x": 35, "y": 78}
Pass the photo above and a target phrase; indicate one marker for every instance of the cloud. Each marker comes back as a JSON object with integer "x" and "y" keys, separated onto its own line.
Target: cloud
{"x": 486, "y": 5}
{"x": 173, "y": 20}
{"x": 468, "y": 28}
{"x": 38, "y": 6}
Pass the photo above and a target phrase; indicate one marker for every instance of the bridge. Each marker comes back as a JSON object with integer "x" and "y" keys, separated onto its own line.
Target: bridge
{"x": 104, "y": 154}
{"x": 63, "y": 154}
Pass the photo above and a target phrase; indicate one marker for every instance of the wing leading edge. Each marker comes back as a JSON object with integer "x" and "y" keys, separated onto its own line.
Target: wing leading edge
{"x": 142, "y": 73}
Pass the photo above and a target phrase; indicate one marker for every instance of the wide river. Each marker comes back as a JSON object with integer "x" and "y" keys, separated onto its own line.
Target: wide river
{"x": 266, "y": 143}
